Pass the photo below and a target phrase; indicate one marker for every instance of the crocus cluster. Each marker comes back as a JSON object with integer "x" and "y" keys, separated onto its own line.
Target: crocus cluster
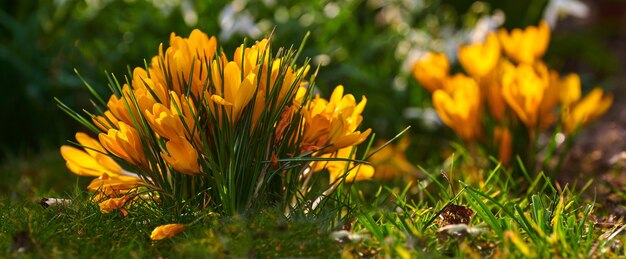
{"x": 506, "y": 87}
{"x": 198, "y": 126}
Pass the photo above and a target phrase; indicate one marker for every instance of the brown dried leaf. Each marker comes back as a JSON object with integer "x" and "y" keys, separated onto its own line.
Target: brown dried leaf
{"x": 456, "y": 214}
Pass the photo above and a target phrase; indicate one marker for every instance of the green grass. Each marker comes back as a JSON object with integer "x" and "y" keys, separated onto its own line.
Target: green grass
{"x": 80, "y": 230}
{"x": 511, "y": 217}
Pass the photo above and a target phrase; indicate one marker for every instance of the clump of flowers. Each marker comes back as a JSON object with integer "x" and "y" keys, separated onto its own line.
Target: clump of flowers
{"x": 508, "y": 97}
{"x": 198, "y": 127}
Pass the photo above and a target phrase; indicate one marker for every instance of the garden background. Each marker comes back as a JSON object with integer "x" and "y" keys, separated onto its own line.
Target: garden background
{"x": 366, "y": 45}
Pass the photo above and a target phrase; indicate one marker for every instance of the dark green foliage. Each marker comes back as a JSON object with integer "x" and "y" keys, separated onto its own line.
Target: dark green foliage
{"x": 42, "y": 43}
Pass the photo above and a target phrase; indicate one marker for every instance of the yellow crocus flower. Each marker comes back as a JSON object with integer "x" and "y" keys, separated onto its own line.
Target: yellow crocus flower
{"x": 249, "y": 58}
{"x": 93, "y": 161}
{"x": 237, "y": 91}
{"x": 492, "y": 85}
{"x": 92, "y": 146}
{"x": 343, "y": 127}
{"x": 183, "y": 55}
{"x": 337, "y": 169}
{"x": 551, "y": 97}
{"x": 141, "y": 80}
{"x": 164, "y": 122}
{"x": 391, "y": 161}
{"x": 185, "y": 108}
{"x": 112, "y": 204}
{"x": 170, "y": 122}
{"x": 122, "y": 107}
{"x": 480, "y": 58}
{"x": 144, "y": 99}
{"x": 360, "y": 172}
{"x": 113, "y": 185}
{"x": 331, "y": 125}
{"x": 106, "y": 122}
{"x": 125, "y": 143}
{"x": 569, "y": 89}
{"x": 127, "y": 107}
{"x": 167, "y": 231}
{"x": 256, "y": 60}
{"x": 343, "y": 133}
{"x": 528, "y": 45}
{"x": 289, "y": 75}
{"x": 298, "y": 98}
{"x": 316, "y": 125}
{"x": 182, "y": 156}
{"x": 523, "y": 90}
{"x": 431, "y": 70}
{"x": 592, "y": 106}
{"x": 460, "y": 108}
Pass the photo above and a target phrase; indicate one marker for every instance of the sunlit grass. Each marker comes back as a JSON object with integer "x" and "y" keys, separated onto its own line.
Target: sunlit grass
{"x": 510, "y": 218}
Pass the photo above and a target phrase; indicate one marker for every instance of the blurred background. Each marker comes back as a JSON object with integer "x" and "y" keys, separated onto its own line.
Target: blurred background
{"x": 366, "y": 45}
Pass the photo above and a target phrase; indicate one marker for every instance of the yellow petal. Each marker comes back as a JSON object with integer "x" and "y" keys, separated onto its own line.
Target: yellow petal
{"x": 479, "y": 59}
{"x": 108, "y": 163}
{"x": 112, "y": 204}
{"x": 219, "y": 100}
{"x": 244, "y": 95}
{"x": 337, "y": 169}
{"x": 182, "y": 156}
{"x": 113, "y": 184}
{"x": 92, "y": 145}
{"x": 589, "y": 108}
{"x": 81, "y": 163}
{"x": 337, "y": 95}
{"x": 167, "y": 231}
{"x": 431, "y": 70}
{"x": 523, "y": 89}
{"x": 232, "y": 81}
{"x": 459, "y": 108}
{"x": 442, "y": 102}
{"x": 124, "y": 143}
{"x": 106, "y": 122}
{"x": 570, "y": 89}
{"x": 527, "y": 45}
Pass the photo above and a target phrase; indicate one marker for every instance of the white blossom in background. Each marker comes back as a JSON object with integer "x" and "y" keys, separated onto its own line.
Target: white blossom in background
{"x": 419, "y": 42}
{"x": 412, "y": 48}
{"x": 166, "y": 6}
{"x": 427, "y": 115}
{"x": 187, "y": 9}
{"x": 190, "y": 16}
{"x": 331, "y": 10}
{"x": 235, "y": 19}
{"x": 485, "y": 25}
{"x": 450, "y": 40}
{"x": 560, "y": 8}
